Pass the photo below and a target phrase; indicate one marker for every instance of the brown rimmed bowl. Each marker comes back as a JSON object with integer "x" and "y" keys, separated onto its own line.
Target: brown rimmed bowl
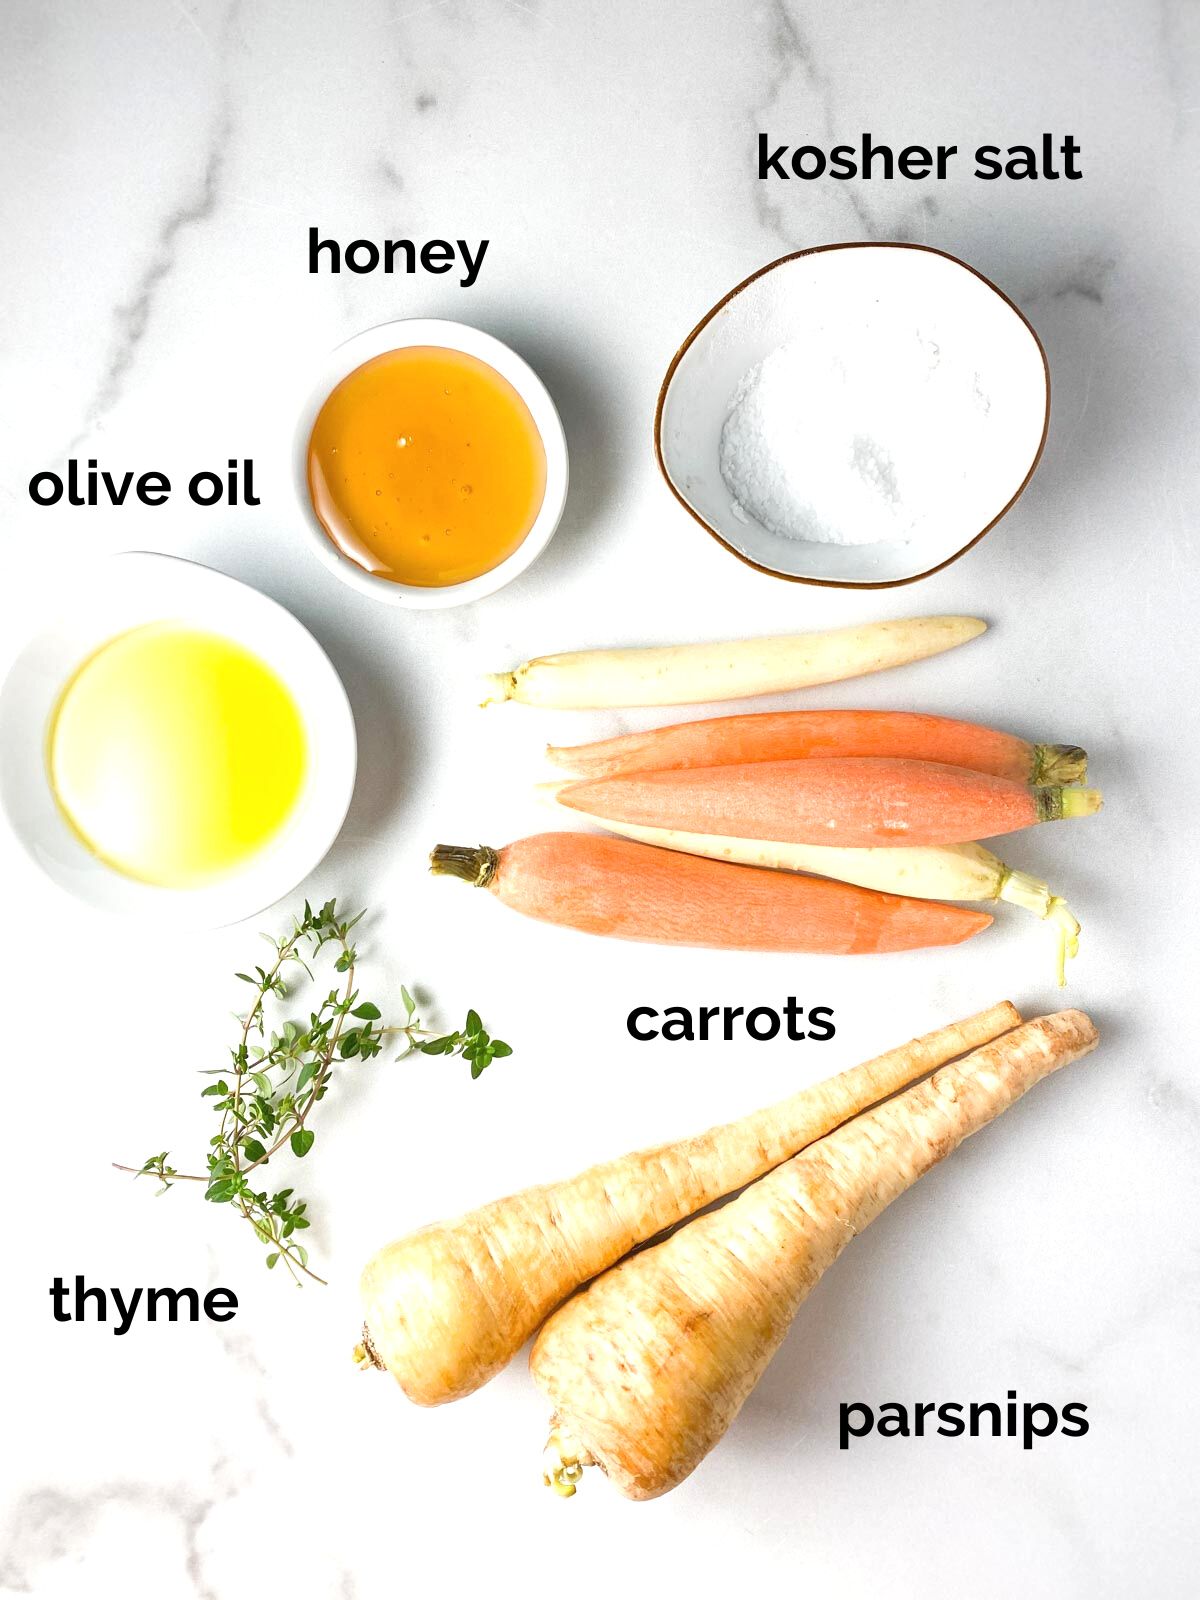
{"x": 774, "y": 306}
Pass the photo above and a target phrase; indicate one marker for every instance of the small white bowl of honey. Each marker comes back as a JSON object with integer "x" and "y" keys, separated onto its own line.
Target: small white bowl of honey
{"x": 430, "y": 463}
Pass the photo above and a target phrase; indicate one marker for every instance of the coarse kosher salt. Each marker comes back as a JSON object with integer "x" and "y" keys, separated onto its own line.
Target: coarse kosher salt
{"x": 859, "y": 439}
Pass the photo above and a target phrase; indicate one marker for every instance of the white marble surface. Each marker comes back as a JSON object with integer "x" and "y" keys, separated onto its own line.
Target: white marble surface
{"x": 162, "y": 165}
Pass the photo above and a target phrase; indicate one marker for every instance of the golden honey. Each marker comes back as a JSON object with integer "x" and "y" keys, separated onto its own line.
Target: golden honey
{"x": 426, "y": 467}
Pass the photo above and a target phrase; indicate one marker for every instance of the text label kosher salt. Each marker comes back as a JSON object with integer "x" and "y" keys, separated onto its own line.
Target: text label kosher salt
{"x": 1050, "y": 159}
{"x": 397, "y": 255}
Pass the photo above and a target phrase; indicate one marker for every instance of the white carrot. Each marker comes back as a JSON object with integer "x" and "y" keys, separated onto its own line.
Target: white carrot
{"x": 670, "y": 675}
{"x": 447, "y": 1307}
{"x": 645, "y": 1369}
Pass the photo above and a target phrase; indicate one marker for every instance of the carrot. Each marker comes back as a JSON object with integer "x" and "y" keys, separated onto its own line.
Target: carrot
{"x": 632, "y": 891}
{"x": 793, "y": 735}
{"x": 672, "y": 675}
{"x": 646, "y": 1368}
{"x": 854, "y": 802}
{"x": 926, "y": 872}
{"x": 447, "y": 1307}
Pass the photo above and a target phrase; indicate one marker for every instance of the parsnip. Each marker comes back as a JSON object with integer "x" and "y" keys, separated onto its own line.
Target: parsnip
{"x": 646, "y": 1368}
{"x": 447, "y": 1307}
{"x": 670, "y": 675}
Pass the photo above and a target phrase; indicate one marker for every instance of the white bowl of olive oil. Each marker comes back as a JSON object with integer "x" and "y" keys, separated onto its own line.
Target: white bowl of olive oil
{"x": 174, "y": 745}
{"x": 430, "y": 464}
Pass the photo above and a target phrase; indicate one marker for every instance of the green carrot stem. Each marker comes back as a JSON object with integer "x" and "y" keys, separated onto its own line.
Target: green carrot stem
{"x": 1055, "y": 803}
{"x": 474, "y": 864}
{"x": 1058, "y": 764}
{"x": 1020, "y": 889}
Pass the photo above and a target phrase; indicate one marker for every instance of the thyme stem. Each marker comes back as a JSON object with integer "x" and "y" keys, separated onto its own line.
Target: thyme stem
{"x": 276, "y": 1085}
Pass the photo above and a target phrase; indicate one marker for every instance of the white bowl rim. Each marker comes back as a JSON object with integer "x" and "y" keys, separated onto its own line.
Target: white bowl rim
{"x": 206, "y": 597}
{"x": 401, "y": 334}
{"x": 713, "y": 311}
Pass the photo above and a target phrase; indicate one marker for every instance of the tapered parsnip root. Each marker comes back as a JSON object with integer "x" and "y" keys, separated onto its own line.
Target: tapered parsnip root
{"x": 645, "y": 1369}
{"x": 630, "y": 891}
{"x": 801, "y": 735}
{"x": 450, "y": 1305}
{"x": 922, "y": 872}
{"x": 686, "y": 674}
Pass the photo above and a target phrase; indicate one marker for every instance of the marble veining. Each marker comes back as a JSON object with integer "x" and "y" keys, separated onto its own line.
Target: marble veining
{"x": 162, "y": 166}
{"x": 792, "y": 58}
{"x": 132, "y": 318}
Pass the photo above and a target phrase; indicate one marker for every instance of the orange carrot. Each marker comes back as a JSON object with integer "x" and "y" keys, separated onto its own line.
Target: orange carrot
{"x": 634, "y": 891}
{"x": 856, "y": 802}
{"x": 792, "y": 735}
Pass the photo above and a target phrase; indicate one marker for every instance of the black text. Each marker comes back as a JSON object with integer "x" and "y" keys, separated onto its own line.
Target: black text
{"x": 1051, "y": 159}
{"x": 89, "y": 484}
{"x": 71, "y": 1304}
{"x": 718, "y": 1022}
{"x": 395, "y": 255}
{"x": 1026, "y": 1420}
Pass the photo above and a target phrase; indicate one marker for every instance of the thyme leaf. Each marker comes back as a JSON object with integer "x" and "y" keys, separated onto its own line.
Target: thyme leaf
{"x": 279, "y": 1073}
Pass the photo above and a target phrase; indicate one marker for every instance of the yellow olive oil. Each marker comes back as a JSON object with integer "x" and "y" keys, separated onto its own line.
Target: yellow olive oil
{"x": 176, "y": 755}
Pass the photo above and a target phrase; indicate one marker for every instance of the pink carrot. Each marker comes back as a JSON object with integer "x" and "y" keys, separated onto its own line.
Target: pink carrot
{"x": 796, "y": 735}
{"x": 853, "y": 802}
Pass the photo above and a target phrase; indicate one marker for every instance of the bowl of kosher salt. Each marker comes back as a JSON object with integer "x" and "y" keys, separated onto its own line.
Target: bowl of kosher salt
{"x": 857, "y": 415}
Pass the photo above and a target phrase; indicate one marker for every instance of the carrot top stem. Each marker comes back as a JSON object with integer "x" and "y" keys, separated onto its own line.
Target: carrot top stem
{"x": 1058, "y": 763}
{"x": 1068, "y": 934}
{"x": 563, "y": 1461}
{"x": 474, "y": 864}
{"x": 1054, "y": 803}
{"x": 365, "y": 1356}
{"x": 498, "y": 687}
{"x": 1020, "y": 889}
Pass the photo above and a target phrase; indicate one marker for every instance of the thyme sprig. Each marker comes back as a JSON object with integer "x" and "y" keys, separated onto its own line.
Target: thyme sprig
{"x": 266, "y": 1098}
